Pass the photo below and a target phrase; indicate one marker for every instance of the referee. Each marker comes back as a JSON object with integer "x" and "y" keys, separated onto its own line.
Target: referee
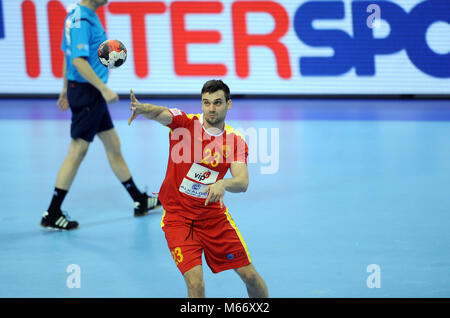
{"x": 87, "y": 95}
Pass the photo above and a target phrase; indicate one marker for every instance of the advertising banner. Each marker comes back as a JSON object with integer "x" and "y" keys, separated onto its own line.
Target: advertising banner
{"x": 257, "y": 47}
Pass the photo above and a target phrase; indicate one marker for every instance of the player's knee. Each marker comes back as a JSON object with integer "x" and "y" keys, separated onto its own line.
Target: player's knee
{"x": 195, "y": 284}
{"x": 250, "y": 277}
{"x": 255, "y": 284}
{"x": 196, "y": 287}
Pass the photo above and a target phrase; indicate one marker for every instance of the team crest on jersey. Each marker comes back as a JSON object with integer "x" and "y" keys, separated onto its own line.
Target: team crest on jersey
{"x": 83, "y": 46}
{"x": 226, "y": 151}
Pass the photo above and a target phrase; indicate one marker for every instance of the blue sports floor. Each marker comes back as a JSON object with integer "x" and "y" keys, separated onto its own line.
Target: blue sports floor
{"x": 358, "y": 182}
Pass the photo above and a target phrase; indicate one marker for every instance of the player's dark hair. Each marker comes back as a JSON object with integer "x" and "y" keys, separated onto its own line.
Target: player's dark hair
{"x": 213, "y": 86}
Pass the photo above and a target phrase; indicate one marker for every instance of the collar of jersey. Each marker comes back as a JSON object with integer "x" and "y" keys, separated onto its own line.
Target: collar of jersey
{"x": 221, "y": 133}
{"x": 87, "y": 10}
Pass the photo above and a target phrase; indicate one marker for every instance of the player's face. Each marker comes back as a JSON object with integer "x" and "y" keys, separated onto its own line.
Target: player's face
{"x": 215, "y": 107}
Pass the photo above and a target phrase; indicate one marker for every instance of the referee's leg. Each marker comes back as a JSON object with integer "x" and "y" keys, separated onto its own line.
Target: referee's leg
{"x": 77, "y": 151}
{"x": 113, "y": 150}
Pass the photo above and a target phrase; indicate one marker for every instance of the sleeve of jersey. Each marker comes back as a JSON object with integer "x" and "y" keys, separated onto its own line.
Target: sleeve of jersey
{"x": 79, "y": 39}
{"x": 241, "y": 150}
{"x": 179, "y": 118}
{"x": 63, "y": 42}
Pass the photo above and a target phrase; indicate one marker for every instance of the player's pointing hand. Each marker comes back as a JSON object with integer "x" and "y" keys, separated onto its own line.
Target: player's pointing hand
{"x": 216, "y": 193}
{"x": 135, "y": 107}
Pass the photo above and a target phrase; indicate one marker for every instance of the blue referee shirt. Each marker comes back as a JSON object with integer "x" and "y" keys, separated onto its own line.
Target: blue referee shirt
{"x": 83, "y": 34}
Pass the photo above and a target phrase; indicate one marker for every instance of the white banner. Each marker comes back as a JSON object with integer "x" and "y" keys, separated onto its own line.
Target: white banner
{"x": 257, "y": 47}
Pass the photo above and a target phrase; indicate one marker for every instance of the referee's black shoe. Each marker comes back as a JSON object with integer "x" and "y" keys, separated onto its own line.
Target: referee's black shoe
{"x": 141, "y": 208}
{"x": 57, "y": 221}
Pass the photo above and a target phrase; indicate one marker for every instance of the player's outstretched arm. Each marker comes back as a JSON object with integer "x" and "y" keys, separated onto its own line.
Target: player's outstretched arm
{"x": 160, "y": 114}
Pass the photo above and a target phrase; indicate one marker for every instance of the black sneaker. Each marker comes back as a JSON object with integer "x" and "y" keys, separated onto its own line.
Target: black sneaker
{"x": 58, "y": 222}
{"x": 149, "y": 203}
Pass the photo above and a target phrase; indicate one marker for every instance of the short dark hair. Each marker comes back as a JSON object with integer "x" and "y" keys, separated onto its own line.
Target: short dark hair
{"x": 212, "y": 86}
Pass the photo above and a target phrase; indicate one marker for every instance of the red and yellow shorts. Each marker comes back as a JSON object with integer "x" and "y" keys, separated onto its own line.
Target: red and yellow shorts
{"x": 218, "y": 237}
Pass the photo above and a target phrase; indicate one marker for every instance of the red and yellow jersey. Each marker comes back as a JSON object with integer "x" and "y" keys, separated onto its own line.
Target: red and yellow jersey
{"x": 197, "y": 159}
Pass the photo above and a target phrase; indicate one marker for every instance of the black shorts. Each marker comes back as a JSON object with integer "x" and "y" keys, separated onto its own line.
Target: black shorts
{"x": 90, "y": 114}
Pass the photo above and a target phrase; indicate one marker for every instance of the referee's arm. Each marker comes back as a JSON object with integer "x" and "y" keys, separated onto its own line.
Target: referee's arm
{"x": 63, "y": 102}
{"x": 84, "y": 68}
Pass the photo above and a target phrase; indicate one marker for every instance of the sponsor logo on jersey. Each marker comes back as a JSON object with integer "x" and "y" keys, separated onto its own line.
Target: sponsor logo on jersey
{"x": 202, "y": 174}
{"x": 237, "y": 255}
{"x": 193, "y": 189}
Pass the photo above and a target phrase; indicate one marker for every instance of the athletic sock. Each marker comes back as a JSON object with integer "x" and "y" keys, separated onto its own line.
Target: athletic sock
{"x": 57, "y": 200}
{"x": 133, "y": 190}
